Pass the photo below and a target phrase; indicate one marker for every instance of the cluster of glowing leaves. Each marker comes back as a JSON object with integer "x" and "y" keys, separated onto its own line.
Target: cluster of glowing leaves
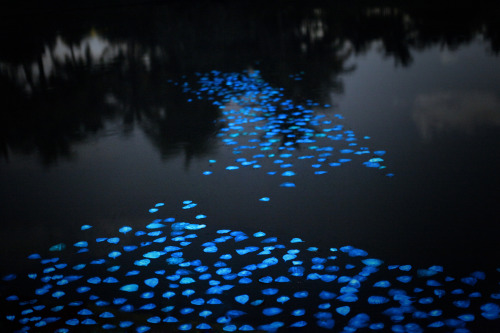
{"x": 175, "y": 273}
{"x": 262, "y": 127}
{"x": 197, "y": 283}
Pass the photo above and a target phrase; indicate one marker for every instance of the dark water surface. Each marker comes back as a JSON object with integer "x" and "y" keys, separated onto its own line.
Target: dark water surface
{"x": 96, "y": 126}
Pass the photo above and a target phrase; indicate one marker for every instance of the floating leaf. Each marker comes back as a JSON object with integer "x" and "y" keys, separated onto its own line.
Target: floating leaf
{"x": 242, "y": 299}
{"x": 271, "y": 311}
{"x": 153, "y": 282}
{"x": 130, "y": 287}
{"x": 377, "y": 300}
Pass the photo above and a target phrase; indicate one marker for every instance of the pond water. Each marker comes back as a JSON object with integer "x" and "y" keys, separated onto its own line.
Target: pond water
{"x": 337, "y": 159}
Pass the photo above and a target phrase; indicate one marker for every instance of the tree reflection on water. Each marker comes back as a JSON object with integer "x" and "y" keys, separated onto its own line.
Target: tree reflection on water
{"x": 68, "y": 74}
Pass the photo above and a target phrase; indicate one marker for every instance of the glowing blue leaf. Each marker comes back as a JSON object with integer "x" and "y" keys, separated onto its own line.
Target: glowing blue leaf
{"x": 245, "y": 280}
{"x": 193, "y": 226}
{"x": 377, "y": 300}
{"x": 404, "y": 278}
{"x": 323, "y": 315}
{"x": 242, "y": 299}
{"x": 357, "y": 253}
{"x": 142, "y": 262}
{"x": 376, "y": 326}
{"x": 94, "y": 280}
{"x": 129, "y": 248}
{"x": 106, "y": 314}
{"x": 113, "y": 240}
{"x": 271, "y": 311}
{"x": 270, "y": 240}
{"x": 57, "y": 247}
{"x": 299, "y": 324}
{"x": 125, "y": 229}
{"x": 282, "y": 279}
{"x": 282, "y": 299}
{"x": 184, "y": 327}
{"x": 214, "y": 301}
{"x": 198, "y": 301}
{"x": 160, "y": 240}
{"x": 301, "y": 294}
{"x": 186, "y": 280}
{"x": 215, "y": 290}
{"x": 246, "y": 328}
{"x": 204, "y": 326}
{"x": 360, "y": 320}
{"x": 313, "y": 276}
{"x": 153, "y": 254}
{"x": 490, "y": 308}
{"x": 435, "y": 313}
{"x": 188, "y": 292}
{"x": 82, "y": 289}
{"x": 210, "y": 249}
{"x": 205, "y": 313}
{"x": 372, "y": 262}
{"x": 114, "y": 254}
{"x": 436, "y": 324}
{"x": 72, "y": 322}
{"x": 110, "y": 280}
{"x": 270, "y": 291}
{"x": 223, "y": 271}
{"x": 343, "y": 310}
{"x": 132, "y": 273}
{"x": 328, "y": 277}
{"x": 287, "y": 257}
{"x": 148, "y": 294}
{"x": 235, "y": 313}
{"x": 382, "y": 284}
{"x": 326, "y": 295}
{"x": 467, "y": 317}
{"x": 171, "y": 248}
{"x": 230, "y": 328}
{"x": 270, "y": 261}
{"x": 154, "y": 225}
{"x": 348, "y": 298}
{"x": 153, "y": 282}
{"x": 89, "y": 321}
{"x": 130, "y": 287}
{"x": 168, "y": 294}
{"x": 186, "y": 311}
{"x": 326, "y": 323}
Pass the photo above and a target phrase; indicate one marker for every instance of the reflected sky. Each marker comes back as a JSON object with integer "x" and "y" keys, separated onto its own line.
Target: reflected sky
{"x": 433, "y": 81}
{"x": 455, "y": 111}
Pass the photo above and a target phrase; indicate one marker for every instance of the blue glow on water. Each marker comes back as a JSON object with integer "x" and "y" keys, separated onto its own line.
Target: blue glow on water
{"x": 247, "y": 272}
